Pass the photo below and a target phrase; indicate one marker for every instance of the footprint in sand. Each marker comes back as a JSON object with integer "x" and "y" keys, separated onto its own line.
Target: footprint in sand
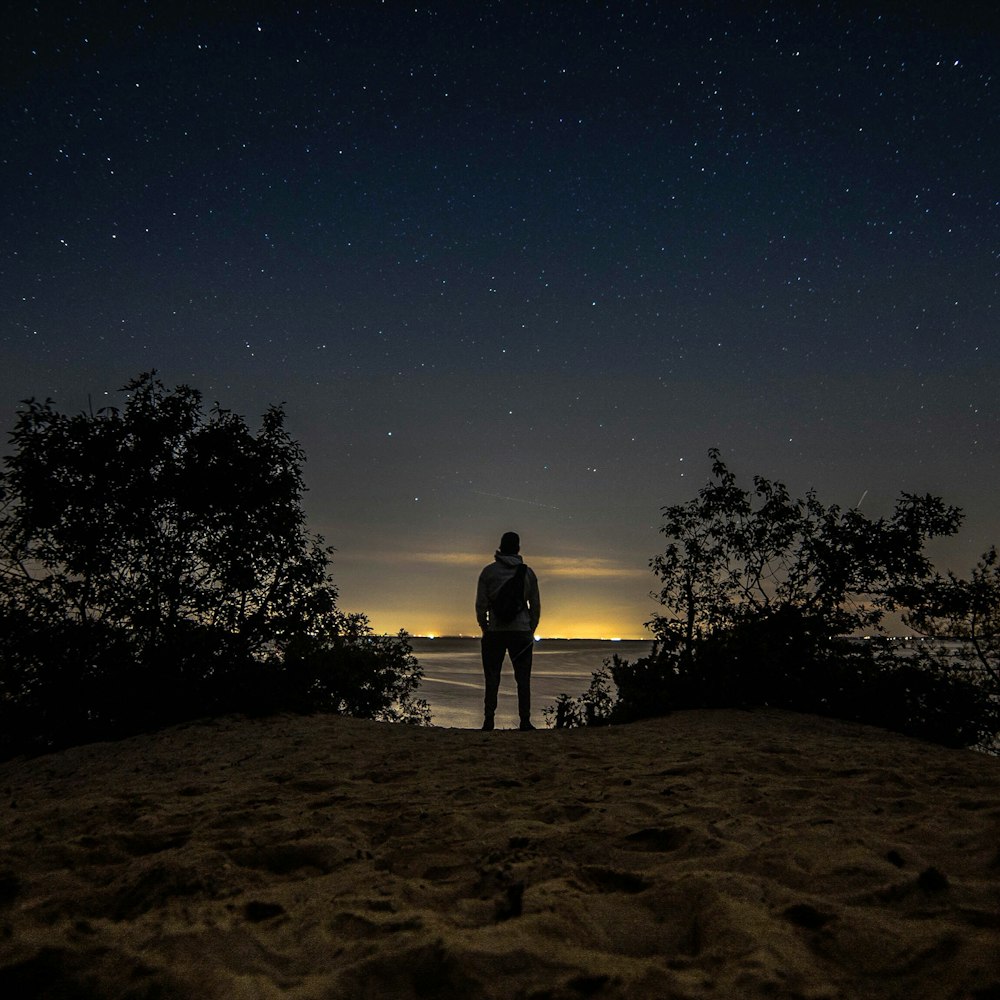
{"x": 607, "y": 880}
{"x": 659, "y": 839}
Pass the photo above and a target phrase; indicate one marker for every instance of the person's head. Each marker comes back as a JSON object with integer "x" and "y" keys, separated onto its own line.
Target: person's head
{"x": 510, "y": 543}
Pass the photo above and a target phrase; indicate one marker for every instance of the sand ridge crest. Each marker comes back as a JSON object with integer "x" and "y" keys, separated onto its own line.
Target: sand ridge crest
{"x": 705, "y": 854}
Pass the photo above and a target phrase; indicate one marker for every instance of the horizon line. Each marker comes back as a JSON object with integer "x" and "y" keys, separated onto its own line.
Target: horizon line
{"x": 538, "y": 638}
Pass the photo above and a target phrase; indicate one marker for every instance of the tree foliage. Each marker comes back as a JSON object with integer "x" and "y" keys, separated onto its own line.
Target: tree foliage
{"x": 735, "y": 556}
{"x": 155, "y": 564}
{"x": 966, "y": 612}
{"x": 765, "y": 596}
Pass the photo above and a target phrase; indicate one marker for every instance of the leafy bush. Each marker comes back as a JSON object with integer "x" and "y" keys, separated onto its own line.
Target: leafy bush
{"x": 761, "y": 594}
{"x": 921, "y": 693}
{"x": 966, "y": 611}
{"x": 155, "y": 566}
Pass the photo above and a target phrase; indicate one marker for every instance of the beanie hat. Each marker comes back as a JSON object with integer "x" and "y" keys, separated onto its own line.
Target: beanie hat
{"x": 510, "y": 543}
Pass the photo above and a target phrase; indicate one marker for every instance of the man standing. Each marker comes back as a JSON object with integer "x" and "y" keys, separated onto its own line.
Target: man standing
{"x": 508, "y": 609}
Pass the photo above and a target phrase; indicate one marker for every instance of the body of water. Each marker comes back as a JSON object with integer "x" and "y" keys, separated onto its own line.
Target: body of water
{"x": 453, "y": 676}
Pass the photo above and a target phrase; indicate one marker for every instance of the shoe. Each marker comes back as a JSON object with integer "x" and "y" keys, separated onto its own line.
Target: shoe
{"x": 525, "y": 726}
{"x": 488, "y": 724}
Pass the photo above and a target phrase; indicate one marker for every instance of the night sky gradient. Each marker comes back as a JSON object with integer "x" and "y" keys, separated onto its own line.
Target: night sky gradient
{"x": 519, "y": 266}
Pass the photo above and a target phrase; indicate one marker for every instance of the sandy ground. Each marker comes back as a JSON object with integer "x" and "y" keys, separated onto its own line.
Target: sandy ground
{"x": 708, "y": 854}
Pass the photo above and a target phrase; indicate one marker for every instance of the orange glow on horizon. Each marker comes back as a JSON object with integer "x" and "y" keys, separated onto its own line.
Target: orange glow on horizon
{"x": 424, "y": 601}
{"x": 556, "y": 627}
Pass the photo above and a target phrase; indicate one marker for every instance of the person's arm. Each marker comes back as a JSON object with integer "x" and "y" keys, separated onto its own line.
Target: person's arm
{"x": 482, "y": 602}
{"x": 534, "y": 600}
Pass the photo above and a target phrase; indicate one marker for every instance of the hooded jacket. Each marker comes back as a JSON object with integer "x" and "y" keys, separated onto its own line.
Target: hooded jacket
{"x": 491, "y": 579}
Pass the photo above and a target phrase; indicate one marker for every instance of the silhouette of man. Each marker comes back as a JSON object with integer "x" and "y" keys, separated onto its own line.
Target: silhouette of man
{"x": 515, "y": 636}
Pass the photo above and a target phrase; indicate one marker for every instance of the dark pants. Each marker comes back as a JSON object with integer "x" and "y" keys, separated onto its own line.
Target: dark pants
{"x": 520, "y": 646}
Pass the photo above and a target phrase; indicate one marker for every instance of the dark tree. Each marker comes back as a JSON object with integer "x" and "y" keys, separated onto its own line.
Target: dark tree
{"x": 966, "y": 613}
{"x": 735, "y": 556}
{"x": 155, "y": 564}
{"x": 764, "y": 599}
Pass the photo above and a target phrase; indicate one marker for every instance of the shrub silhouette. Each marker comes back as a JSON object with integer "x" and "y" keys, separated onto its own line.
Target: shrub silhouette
{"x": 967, "y": 611}
{"x": 155, "y": 566}
{"x": 761, "y": 595}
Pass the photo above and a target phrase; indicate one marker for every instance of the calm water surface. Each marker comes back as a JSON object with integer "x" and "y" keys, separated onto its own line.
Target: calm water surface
{"x": 453, "y": 676}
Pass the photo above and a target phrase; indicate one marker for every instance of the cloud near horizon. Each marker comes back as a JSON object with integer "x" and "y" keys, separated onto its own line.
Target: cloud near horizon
{"x": 579, "y": 567}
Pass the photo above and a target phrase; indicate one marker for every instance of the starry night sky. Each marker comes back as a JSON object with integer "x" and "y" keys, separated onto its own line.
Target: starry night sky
{"x": 519, "y": 266}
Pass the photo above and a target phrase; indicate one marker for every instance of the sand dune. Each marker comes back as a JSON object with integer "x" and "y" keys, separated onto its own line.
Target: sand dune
{"x": 708, "y": 854}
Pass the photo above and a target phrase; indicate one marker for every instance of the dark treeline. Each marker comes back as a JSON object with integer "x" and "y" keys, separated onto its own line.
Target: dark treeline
{"x": 155, "y": 567}
{"x": 761, "y": 594}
